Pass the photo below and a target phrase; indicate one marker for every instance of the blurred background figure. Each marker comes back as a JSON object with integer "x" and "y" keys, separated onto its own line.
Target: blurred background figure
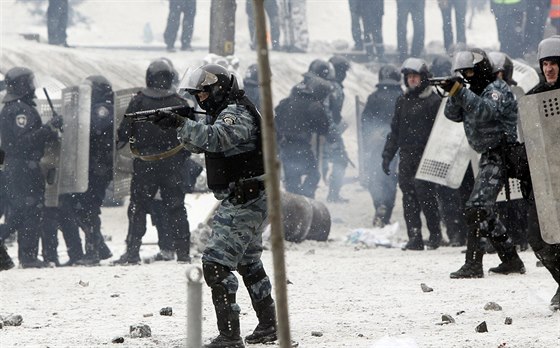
{"x": 509, "y": 21}
{"x": 416, "y": 11}
{"x": 367, "y": 27}
{"x": 187, "y": 8}
{"x": 376, "y": 124}
{"x": 271, "y": 8}
{"x": 251, "y": 85}
{"x": 536, "y": 14}
{"x": 57, "y": 22}
{"x": 555, "y": 15}
{"x": 460, "y": 9}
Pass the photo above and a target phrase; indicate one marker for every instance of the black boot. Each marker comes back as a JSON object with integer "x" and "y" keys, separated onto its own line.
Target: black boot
{"x": 92, "y": 249}
{"x": 415, "y": 241}
{"x": 266, "y": 329}
{"x": 555, "y": 300}
{"x": 511, "y": 263}
{"x": 5, "y": 260}
{"x": 473, "y": 261}
{"x": 228, "y": 324}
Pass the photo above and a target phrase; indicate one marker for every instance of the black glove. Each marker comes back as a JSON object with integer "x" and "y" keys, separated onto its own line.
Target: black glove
{"x": 55, "y": 123}
{"x": 453, "y": 85}
{"x": 168, "y": 120}
{"x": 385, "y": 165}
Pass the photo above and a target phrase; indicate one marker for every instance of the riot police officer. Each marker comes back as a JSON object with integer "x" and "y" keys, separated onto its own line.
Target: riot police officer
{"x": 376, "y": 124}
{"x": 231, "y": 141}
{"x": 23, "y": 138}
{"x": 251, "y": 85}
{"x": 549, "y": 254}
{"x": 159, "y": 160}
{"x": 415, "y": 113}
{"x": 296, "y": 133}
{"x": 488, "y": 110}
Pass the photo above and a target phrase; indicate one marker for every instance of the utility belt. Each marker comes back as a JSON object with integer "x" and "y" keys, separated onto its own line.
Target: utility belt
{"x": 246, "y": 190}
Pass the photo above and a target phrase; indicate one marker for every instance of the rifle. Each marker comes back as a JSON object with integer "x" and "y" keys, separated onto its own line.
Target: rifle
{"x": 152, "y": 115}
{"x": 439, "y": 81}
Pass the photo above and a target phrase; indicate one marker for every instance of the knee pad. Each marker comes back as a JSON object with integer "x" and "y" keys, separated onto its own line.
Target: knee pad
{"x": 222, "y": 282}
{"x": 214, "y": 273}
{"x": 256, "y": 281}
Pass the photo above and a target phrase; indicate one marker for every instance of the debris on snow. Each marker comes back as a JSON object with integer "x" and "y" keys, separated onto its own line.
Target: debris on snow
{"x": 82, "y": 283}
{"x": 481, "y": 327}
{"x": 118, "y": 340}
{"x": 425, "y": 288}
{"x": 13, "y": 320}
{"x": 168, "y": 311}
{"x": 508, "y": 321}
{"x": 140, "y": 331}
{"x": 492, "y": 306}
{"x": 316, "y": 333}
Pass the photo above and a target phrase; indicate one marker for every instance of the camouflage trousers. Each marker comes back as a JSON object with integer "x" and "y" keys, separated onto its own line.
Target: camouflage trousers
{"x": 236, "y": 243}
{"x": 488, "y": 183}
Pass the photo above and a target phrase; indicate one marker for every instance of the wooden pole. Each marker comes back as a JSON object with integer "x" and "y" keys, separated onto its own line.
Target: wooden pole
{"x": 222, "y": 27}
{"x": 272, "y": 178}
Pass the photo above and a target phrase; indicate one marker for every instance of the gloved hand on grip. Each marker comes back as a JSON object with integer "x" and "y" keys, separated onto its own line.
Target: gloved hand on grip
{"x": 453, "y": 85}
{"x": 55, "y": 123}
{"x": 168, "y": 120}
{"x": 385, "y": 165}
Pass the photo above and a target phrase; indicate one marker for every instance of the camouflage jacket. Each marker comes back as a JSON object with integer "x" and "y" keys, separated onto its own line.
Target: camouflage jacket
{"x": 488, "y": 119}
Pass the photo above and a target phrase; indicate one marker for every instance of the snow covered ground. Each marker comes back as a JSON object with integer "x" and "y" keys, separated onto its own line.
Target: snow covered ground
{"x": 340, "y": 294}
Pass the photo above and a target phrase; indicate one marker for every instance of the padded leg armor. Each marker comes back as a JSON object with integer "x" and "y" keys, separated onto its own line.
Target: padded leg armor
{"x": 549, "y": 255}
{"x": 258, "y": 285}
{"x": 224, "y": 286}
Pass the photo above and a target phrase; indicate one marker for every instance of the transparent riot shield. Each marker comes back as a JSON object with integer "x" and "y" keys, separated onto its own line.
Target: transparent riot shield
{"x": 51, "y": 158}
{"x": 540, "y": 119}
{"x": 362, "y": 175}
{"x": 122, "y": 160}
{"x": 447, "y": 153}
{"x": 74, "y": 151}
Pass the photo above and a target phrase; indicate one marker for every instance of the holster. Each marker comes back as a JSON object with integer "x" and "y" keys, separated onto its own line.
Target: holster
{"x": 247, "y": 190}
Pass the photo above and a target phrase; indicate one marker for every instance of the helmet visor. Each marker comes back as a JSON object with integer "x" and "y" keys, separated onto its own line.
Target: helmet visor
{"x": 196, "y": 80}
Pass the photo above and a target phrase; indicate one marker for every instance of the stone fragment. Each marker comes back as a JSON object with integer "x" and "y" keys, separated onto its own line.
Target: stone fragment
{"x": 492, "y": 306}
{"x": 481, "y": 327}
{"x": 508, "y": 321}
{"x": 140, "y": 331}
{"x": 168, "y": 311}
{"x": 425, "y": 288}
{"x": 13, "y": 320}
{"x": 118, "y": 340}
{"x": 316, "y": 333}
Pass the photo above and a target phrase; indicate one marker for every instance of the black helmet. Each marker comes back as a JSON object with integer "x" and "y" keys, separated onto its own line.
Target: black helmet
{"x": 159, "y": 74}
{"x": 211, "y": 78}
{"x": 101, "y": 89}
{"x": 441, "y": 66}
{"x": 322, "y": 68}
{"x": 341, "y": 66}
{"x": 503, "y": 63}
{"x": 389, "y": 75}
{"x": 549, "y": 49}
{"x": 20, "y": 83}
{"x": 477, "y": 60}
{"x": 251, "y": 76}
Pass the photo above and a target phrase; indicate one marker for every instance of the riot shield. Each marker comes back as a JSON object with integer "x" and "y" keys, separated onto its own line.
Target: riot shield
{"x": 525, "y": 76}
{"x": 122, "y": 158}
{"x": 447, "y": 153}
{"x": 51, "y": 158}
{"x": 74, "y": 151}
{"x": 540, "y": 119}
{"x": 362, "y": 174}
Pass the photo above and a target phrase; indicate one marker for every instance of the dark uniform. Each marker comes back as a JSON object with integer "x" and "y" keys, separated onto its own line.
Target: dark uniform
{"x": 23, "y": 138}
{"x": 415, "y": 113}
{"x": 251, "y": 85}
{"x": 176, "y": 8}
{"x": 5, "y": 260}
{"x": 369, "y": 34}
{"x": 488, "y": 110}
{"x": 335, "y": 152}
{"x": 271, "y": 8}
{"x": 161, "y": 178}
{"x": 416, "y": 11}
{"x": 295, "y": 134}
{"x": 376, "y": 124}
{"x": 231, "y": 141}
{"x": 548, "y": 254}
